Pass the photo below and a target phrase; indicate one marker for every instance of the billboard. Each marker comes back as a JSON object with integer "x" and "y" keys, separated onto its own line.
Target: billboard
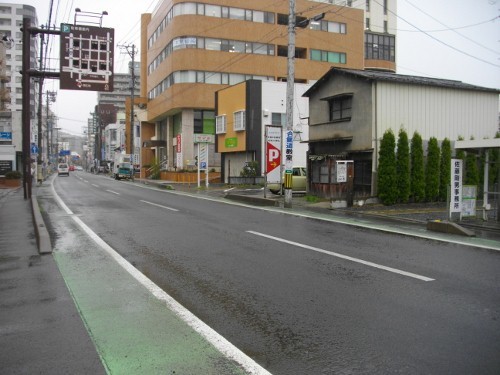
{"x": 87, "y": 56}
{"x": 273, "y": 154}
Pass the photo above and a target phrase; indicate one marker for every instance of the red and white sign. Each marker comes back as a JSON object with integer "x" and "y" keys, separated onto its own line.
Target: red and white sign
{"x": 179, "y": 149}
{"x": 273, "y": 154}
{"x": 179, "y": 163}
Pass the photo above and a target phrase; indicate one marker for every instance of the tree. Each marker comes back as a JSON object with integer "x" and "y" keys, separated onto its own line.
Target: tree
{"x": 494, "y": 167}
{"x": 460, "y": 154}
{"x": 403, "y": 167}
{"x": 432, "y": 171}
{"x": 445, "y": 169}
{"x": 417, "y": 178}
{"x": 471, "y": 170}
{"x": 386, "y": 177}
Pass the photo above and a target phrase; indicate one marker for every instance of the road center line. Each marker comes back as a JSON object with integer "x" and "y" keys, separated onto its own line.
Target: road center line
{"x": 113, "y": 192}
{"x": 159, "y": 205}
{"x": 366, "y": 263}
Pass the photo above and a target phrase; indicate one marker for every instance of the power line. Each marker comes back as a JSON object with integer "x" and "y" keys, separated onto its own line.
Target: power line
{"x": 439, "y": 40}
{"x": 455, "y": 31}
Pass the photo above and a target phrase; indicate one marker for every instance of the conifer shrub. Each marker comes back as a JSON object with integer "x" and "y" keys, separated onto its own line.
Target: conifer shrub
{"x": 417, "y": 175}
{"x": 445, "y": 169}
{"x": 386, "y": 177}
{"x": 432, "y": 171}
{"x": 403, "y": 167}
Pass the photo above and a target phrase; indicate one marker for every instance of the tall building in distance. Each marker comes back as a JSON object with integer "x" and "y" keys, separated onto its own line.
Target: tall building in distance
{"x": 122, "y": 84}
{"x": 190, "y": 50}
{"x": 11, "y": 51}
{"x": 11, "y": 21}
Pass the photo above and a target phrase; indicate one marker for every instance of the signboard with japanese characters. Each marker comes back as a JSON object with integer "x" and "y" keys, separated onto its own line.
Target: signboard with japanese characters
{"x": 273, "y": 154}
{"x": 86, "y": 58}
{"x": 178, "y": 144}
{"x": 456, "y": 186}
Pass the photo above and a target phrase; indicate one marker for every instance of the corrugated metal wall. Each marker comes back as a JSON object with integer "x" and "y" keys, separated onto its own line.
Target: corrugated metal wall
{"x": 436, "y": 112}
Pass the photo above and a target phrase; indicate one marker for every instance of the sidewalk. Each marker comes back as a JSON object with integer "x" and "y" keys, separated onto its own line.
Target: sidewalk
{"x": 40, "y": 328}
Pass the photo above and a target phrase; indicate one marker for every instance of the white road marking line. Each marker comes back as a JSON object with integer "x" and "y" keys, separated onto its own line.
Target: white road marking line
{"x": 94, "y": 185}
{"x": 113, "y": 192}
{"x": 366, "y": 263}
{"x": 159, "y": 205}
{"x": 213, "y": 337}
{"x": 358, "y": 223}
{"x": 87, "y": 181}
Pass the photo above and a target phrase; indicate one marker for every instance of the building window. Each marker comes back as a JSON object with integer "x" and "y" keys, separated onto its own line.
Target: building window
{"x": 367, "y": 5}
{"x": 340, "y": 107}
{"x": 192, "y": 76}
{"x": 278, "y": 119}
{"x": 193, "y": 8}
{"x": 239, "y": 121}
{"x": 220, "y": 124}
{"x": 300, "y": 53}
{"x": 204, "y": 122}
{"x": 380, "y": 47}
{"x": 233, "y": 46}
{"x": 327, "y": 56}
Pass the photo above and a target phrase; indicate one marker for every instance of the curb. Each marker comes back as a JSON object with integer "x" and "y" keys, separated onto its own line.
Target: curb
{"x": 252, "y": 200}
{"x": 41, "y": 233}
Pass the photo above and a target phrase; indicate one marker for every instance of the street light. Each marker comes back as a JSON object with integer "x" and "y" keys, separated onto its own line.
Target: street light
{"x": 89, "y": 16}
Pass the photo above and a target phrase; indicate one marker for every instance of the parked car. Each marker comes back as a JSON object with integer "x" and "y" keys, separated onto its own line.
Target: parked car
{"x": 71, "y": 168}
{"x": 299, "y": 182}
{"x": 62, "y": 169}
{"x": 78, "y": 168}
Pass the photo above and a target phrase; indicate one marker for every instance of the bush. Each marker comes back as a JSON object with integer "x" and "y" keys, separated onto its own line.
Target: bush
{"x": 13, "y": 175}
{"x": 250, "y": 169}
{"x": 386, "y": 176}
{"x": 417, "y": 178}
{"x": 471, "y": 170}
{"x": 494, "y": 168}
{"x": 403, "y": 167}
{"x": 445, "y": 169}
{"x": 155, "y": 169}
{"x": 432, "y": 171}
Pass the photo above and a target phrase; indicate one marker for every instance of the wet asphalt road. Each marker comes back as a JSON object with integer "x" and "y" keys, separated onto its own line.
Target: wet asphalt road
{"x": 291, "y": 307}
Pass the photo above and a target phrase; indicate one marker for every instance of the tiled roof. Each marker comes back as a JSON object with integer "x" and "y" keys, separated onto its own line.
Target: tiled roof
{"x": 399, "y": 78}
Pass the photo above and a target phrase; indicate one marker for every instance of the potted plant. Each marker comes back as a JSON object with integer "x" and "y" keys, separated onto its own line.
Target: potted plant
{"x": 12, "y": 179}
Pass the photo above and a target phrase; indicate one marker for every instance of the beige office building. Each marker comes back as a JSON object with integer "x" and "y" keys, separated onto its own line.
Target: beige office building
{"x": 190, "y": 50}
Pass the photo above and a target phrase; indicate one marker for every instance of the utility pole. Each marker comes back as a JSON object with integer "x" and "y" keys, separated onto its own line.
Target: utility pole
{"x": 290, "y": 79}
{"x": 27, "y": 73}
{"x": 131, "y": 51}
{"x": 39, "y": 175}
{"x": 290, "y": 82}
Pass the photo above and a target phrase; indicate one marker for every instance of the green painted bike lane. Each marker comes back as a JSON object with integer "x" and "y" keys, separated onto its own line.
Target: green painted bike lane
{"x": 132, "y": 324}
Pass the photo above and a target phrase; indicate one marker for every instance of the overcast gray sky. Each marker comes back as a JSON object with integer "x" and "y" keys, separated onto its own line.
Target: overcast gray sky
{"x": 450, "y": 39}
